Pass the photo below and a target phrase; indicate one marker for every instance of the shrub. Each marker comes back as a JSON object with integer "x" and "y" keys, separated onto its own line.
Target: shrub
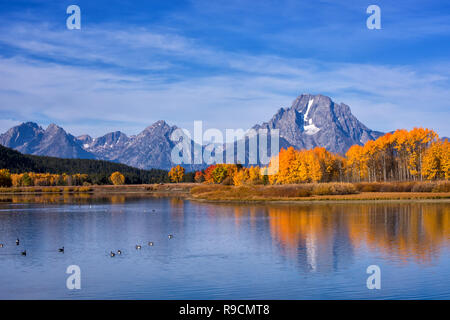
{"x": 272, "y": 192}
{"x": 26, "y": 180}
{"x": 219, "y": 174}
{"x": 55, "y": 190}
{"x": 199, "y": 177}
{"x": 334, "y": 189}
{"x": 117, "y": 178}
{"x": 442, "y": 186}
{"x": 423, "y": 187}
{"x": 85, "y": 189}
{"x": 384, "y": 186}
{"x": 285, "y": 191}
{"x": 228, "y": 181}
{"x": 5, "y": 178}
{"x": 368, "y": 187}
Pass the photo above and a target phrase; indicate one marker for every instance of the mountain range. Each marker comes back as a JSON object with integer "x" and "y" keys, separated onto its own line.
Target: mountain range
{"x": 311, "y": 120}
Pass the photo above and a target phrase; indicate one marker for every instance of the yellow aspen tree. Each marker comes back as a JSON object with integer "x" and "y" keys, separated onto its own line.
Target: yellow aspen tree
{"x": 315, "y": 169}
{"x": 432, "y": 161}
{"x": 446, "y": 159}
{"x": 356, "y": 163}
{"x": 254, "y": 175}
{"x": 401, "y": 139}
{"x": 241, "y": 177}
{"x": 176, "y": 174}
{"x": 117, "y": 178}
{"x": 417, "y": 142}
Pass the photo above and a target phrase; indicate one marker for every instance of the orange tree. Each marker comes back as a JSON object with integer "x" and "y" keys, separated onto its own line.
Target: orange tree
{"x": 176, "y": 174}
{"x": 199, "y": 177}
{"x": 117, "y": 178}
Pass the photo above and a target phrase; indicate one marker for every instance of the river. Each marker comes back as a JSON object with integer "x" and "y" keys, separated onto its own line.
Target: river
{"x": 222, "y": 251}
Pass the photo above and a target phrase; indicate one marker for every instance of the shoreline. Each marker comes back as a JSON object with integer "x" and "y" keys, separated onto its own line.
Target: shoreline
{"x": 317, "y": 200}
{"x": 184, "y": 190}
{"x": 320, "y": 202}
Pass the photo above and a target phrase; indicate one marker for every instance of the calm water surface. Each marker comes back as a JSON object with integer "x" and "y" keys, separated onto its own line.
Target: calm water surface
{"x": 308, "y": 251}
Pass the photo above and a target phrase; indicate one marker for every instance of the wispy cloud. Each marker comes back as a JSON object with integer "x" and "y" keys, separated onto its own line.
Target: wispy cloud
{"x": 126, "y": 77}
{"x": 384, "y": 98}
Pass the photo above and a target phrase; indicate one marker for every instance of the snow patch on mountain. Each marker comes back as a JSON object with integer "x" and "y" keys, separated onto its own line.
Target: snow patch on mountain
{"x": 310, "y": 127}
{"x": 310, "y": 102}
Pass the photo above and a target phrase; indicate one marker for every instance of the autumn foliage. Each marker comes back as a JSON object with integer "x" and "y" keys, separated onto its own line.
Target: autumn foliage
{"x": 199, "y": 177}
{"x": 47, "y": 179}
{"x": 5, "y": 178}
{"x": 400, "y": 156}
{"x": 176, "y": 174}
{"x": 316, "y": 165}
{"x": 117, "y": 178}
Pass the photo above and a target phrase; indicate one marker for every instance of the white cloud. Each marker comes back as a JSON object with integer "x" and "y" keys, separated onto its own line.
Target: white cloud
{"x": 146, "y": 83}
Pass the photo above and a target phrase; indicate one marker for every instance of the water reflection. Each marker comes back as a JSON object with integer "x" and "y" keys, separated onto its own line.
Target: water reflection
{"x": 409, "y": 231}
{"x": 323, "y": 237}
{"x": 317, "y": 237}
{"x": 318, "y": 250}
{"x": 76, "y": 198}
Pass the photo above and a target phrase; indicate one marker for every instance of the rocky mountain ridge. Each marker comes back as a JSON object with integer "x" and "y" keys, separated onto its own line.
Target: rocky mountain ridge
{"x": 311, "y": 120}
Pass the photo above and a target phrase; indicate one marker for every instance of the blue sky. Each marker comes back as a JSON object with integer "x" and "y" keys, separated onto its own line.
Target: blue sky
{"x": 229, "y": 63}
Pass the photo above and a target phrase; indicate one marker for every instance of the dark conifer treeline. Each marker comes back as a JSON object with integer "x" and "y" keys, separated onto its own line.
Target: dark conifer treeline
{"x": 99, "y": 171}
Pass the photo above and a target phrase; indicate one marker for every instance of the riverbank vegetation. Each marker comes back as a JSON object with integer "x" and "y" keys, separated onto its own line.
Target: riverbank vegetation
{"x": 415, "y": 161}
{"x": 324, "y": 191}
{"x": 415, "y": 155}
{"x": 291, "y": 192}
{"x": 98, "y": 171}
{"x": 181, "y": 189}
{"x": 84, "y": 189}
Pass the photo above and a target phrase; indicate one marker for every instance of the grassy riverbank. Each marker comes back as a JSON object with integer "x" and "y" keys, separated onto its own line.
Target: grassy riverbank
{"x": 251, "y": 193}
{"x": 323, "y": 191}
{"x": 180, "y": 188}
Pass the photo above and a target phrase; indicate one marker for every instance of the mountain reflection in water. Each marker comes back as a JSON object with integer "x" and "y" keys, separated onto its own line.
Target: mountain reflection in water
{"x": 298, "y": 251}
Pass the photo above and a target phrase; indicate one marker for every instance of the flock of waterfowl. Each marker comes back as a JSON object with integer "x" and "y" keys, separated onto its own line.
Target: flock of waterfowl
{"x": 138, "y": 247}
{"x": 24, "y": 252}
{"x": 112, "y": 253}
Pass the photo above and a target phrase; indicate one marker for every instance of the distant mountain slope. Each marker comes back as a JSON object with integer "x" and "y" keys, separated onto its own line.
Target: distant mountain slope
{"x": 107, "y": 147}
{"x": 312, "y": 120}
{"x": 98, "y": 169}
{"x": 30, "y": 138}
{"x": 315, "y": 120}
{"x": 149, "y": 149}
